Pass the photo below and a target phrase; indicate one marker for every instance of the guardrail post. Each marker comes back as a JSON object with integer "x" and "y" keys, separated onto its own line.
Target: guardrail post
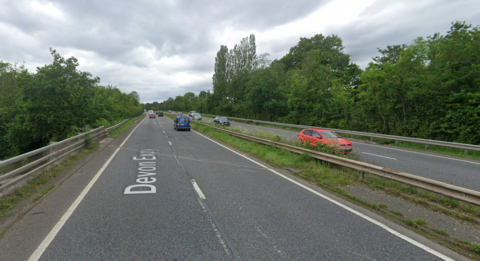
{"x": 371, "y": 138}
{"x": 362, "y": 175}
{"x": 396, "y": 142}
{"x": 426, "y": 146}
{"x": 466, "y": 151}
{"x": 351, "y": 136}
{"x": 52, "y": 150}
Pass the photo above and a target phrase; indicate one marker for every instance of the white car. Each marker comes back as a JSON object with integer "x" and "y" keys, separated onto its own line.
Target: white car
{"x": 197, "y": 116}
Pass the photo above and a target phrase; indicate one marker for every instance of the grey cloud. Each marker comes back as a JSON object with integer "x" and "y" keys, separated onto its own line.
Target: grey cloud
{"x": 373, "y": 29}
{"x": 113, "y": 31}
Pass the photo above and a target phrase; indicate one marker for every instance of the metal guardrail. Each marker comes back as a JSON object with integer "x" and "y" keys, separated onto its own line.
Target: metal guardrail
{"x": 426, "y": 142}
{"x": 448, "y": 190}
{"x": 45, "y": 157}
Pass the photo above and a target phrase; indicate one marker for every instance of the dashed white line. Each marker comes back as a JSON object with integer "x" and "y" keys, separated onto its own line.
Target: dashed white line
{"x": 198, "y": 190}
{"x": 379, "y": 156}
{"x": 378, "y": 223}
{"x": 170, "y": 143}
{"x": 425, "y": 154}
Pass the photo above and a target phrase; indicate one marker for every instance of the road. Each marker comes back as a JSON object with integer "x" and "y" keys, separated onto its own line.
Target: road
{"x": 452, "y": 170}
{"x": 159, "y": 194}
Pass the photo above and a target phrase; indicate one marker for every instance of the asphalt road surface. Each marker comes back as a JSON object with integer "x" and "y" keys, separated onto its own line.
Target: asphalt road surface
{"x": 452, "y": 170}
{"x": 161, "y": 194}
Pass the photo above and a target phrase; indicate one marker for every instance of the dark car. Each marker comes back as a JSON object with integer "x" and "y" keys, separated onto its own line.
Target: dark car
{"x": 160, "y": 113}
{"x": 220, "y": 120}
{"x": 182, "y": 123}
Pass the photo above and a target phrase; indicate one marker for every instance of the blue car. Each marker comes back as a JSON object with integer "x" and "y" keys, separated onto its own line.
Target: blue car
{"x": 182, "y": 122}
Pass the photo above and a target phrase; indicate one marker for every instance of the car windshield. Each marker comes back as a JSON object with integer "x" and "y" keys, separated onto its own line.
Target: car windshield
{"x": 222, "y": 118}
{"x": 329, "y": 135}
{"x": 182, "y": 120}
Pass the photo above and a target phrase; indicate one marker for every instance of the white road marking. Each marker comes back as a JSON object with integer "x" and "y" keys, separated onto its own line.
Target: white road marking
{"x": 378, "y": 155}
{"x": 198, "y": 190}
{"x": 170, "y": 143}
{"x": 49, "y": 238}
{"x": 392, "y": 148}
{"x": 163, "y": 131}
{"x": 425, "y": 154}
{"x": 388, "y": 229}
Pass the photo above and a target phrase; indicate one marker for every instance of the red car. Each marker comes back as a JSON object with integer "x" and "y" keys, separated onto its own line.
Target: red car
{"x": 151, "y": 114}
{"x": 327, "y": 137}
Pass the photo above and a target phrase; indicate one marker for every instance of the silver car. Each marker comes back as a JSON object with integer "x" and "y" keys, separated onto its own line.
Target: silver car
{"x": 197, "y": 116}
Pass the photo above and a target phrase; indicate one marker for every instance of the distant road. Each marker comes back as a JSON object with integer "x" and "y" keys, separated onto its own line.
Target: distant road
{"x": 456, "y": 171}
{"x": 165, "y": 195}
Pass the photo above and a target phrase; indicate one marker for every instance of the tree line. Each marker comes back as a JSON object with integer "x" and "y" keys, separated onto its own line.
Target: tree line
{"x": 428, "y": 89}
{"x": 55, "y": 102}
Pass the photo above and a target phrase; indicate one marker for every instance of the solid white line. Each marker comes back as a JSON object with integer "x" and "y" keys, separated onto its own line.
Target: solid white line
{"x": 170, "y": 143}
{"x": 390, "y": 230}
{"x": 378, "y": 155}
{"x": 425, "y": 154}
{"x": 49, "y": 238}
{"x": 197, "y": 188}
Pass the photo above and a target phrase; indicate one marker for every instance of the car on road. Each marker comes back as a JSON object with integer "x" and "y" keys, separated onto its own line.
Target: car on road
{"x": 192, "y": 113}
{"x": 180, "y": 113}
{"x": 182, "y": 123}
{"x": 151, "y": 114}
{"x": 197, "y": 116}
{"x": 220, "y": 120}
{"x": 327, "y": 137}
{"x": 160, "y": 113}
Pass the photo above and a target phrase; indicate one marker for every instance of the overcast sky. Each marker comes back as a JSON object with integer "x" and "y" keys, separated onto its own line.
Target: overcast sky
{"x": 166, "y": 48}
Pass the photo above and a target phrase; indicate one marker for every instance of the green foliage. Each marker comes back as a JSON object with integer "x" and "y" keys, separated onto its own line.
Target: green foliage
{"x": 54, "y": 103}
{"x": 428, "y": 89}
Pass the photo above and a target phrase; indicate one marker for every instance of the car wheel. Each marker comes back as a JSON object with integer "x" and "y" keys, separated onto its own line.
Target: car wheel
{"x": 188, "y": 129}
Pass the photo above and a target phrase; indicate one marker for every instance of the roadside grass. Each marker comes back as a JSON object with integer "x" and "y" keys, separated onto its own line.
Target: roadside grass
{"x": 434, "y": 201}
{"x": 43, "y": 192}
{"x": 115, "y": 133}
{"x": 330, "y": 177}
{"x": 32, "y": 187}
{"x": 475, "y": 155}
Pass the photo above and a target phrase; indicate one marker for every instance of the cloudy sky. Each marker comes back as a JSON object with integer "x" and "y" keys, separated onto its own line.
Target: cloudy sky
{"x": 165, "y": 48}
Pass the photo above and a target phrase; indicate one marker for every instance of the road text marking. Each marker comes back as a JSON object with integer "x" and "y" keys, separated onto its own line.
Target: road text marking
{"x": 145, "y": 169}
{"x": 49, "y": 238}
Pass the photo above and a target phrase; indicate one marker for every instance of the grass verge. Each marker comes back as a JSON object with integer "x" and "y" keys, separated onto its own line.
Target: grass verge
{"x": 32, "y": 187}
{"x": 402, "y": 144}
{"x": 115, "y": 133}
{"x": 330, "y": 177}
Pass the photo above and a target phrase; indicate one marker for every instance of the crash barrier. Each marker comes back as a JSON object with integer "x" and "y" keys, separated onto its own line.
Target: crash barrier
{"x": 426, "y": 142}
{"x": 28, "y": 165}
{"x": 448, "y": 190}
